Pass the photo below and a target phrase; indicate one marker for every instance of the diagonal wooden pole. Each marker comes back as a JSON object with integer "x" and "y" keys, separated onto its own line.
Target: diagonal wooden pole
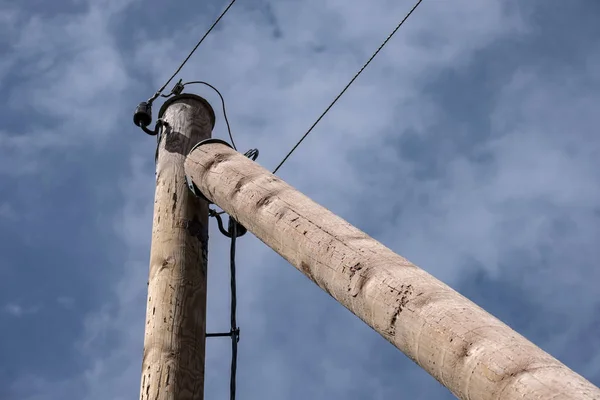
{"x": 472, "y": 353}
{"x": 174, "y": 340}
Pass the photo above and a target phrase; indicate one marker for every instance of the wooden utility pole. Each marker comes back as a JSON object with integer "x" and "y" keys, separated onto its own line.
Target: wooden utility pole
{"x": 174, "y": 340}
{"x": 473, "y": 354}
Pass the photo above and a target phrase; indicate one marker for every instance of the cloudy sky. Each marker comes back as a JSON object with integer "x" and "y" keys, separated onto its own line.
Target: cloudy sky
{"x": 468, "y": 146}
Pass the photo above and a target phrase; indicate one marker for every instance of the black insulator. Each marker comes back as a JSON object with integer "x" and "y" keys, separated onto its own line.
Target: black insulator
{"x": 143, "y": 114}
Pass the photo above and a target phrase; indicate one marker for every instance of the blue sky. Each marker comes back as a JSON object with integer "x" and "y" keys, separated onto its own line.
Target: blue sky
{"x": 468, "y": 146}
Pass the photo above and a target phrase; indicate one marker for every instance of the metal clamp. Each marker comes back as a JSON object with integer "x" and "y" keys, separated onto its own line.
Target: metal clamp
{"x": 189, "y": 182}
{"x": 235, "y": 334}
{"x": 209, "y": 141}
{"x": 194, "y": 189}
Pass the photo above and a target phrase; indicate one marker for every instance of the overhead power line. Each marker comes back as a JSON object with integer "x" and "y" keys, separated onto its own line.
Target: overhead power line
{"x": 222, "y": 104}
{"x": 347, "y": 86}
{"x": 191, "y": 52}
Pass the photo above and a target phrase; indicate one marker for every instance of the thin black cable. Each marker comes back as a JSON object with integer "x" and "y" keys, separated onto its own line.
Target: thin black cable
{"x": 234, "y": 328}
{"x": 222, "y": 104}
{"x": 233, "y": 231}
{"x": 192, "y": 52}
{"x": 347, "y": 86}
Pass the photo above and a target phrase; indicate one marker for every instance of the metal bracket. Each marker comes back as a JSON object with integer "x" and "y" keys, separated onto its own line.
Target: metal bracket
{"x": 209, "y": 141}
{"x": 190, "y": 184}
{"x": 235, "y": 334}
{"x": 178, "y": 88}
{"x": 176, "y": 91}
{"x": 194, "y": 189}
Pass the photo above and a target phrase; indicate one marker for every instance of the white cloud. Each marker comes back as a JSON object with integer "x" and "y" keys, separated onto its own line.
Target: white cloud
{"x": 18, "y": 310}
{"x": 275, "y": 88}
{"x": 68, "y": 80}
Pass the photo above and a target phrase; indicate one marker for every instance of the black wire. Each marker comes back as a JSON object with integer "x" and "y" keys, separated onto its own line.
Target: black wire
{"x": 348, "y": 85}
{"x": 234, "y": 332}
{"x": 222, "y": 103}
{"x": 234, "y": 328}
{"x": 234, "y": 230}
{"x": 192, "y": 52}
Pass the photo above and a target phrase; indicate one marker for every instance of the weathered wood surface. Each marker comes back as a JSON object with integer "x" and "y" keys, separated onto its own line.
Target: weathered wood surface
{"x": 469, "y": 351}
{"x": 174, "y": 340}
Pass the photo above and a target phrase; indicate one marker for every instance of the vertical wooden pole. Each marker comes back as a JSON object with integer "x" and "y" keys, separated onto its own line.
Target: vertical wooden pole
{"x": 174, "y": 340}
{"x": 472, "y": 353}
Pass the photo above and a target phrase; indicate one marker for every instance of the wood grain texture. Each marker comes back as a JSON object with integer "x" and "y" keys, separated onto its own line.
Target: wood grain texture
{"x": 174, "y": 340}
{"x": 469, "y": 351}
